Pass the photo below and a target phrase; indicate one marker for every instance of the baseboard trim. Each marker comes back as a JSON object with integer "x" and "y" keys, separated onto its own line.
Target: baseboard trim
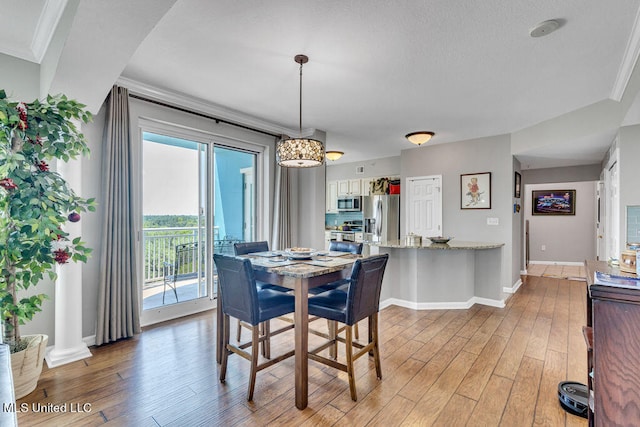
{"x": 557, "y": 262}
{"x": 514, "y": 288}
{"x": 448, "y": 305}
{"x": 90, "y": 340}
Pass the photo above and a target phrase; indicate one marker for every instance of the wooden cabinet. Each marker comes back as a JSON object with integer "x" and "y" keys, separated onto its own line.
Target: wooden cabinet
{"x": 349, "y": 187}
{"x": 331, "y": 198}
{"x": 614, "y": 359}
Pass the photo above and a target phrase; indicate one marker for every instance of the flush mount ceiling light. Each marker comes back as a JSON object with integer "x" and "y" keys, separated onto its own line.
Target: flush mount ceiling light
{"x": 300, "y": 152}
{"x": 545, "y": 28}
{"x": 419, "y": 137}
{"x": 333, "y": 155}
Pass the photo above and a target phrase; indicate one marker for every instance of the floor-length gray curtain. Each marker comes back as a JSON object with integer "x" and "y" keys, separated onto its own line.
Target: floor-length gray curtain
{"x": 282, "y": 218}
{"x": 118, "y": 308}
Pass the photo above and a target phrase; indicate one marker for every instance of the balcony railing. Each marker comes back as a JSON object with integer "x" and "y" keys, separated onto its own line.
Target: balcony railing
{"x": 159, "y": 248}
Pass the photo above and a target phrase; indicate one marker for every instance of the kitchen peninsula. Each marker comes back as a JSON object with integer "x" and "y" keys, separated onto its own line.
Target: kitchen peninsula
{"x": 455, "y": 275}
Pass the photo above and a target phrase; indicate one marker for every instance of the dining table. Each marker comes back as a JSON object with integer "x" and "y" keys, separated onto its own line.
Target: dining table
{"x": 298, "y": 274}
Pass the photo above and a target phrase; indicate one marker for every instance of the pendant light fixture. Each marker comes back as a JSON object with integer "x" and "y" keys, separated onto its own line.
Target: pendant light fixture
{"x": 419, "y": 137}
{"x": 300, "y": 152}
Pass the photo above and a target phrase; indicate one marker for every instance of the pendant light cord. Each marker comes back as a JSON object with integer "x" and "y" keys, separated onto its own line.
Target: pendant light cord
{"x": 300, "y": 125}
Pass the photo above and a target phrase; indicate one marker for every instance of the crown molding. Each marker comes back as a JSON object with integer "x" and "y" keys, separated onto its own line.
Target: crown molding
{"x": 628, "y": 61}
{"x": 49, "y": 18}
{"x": 50, "y": 15}
{"x": 202, "y": 106}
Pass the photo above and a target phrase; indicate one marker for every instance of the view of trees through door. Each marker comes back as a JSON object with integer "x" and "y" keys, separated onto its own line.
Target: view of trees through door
{"x": 198, "y": 199}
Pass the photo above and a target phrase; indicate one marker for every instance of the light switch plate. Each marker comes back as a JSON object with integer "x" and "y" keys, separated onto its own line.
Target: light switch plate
{"x": 493, "y": 221}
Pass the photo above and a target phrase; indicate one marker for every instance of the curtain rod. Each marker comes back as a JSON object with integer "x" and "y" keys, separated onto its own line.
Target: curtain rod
{"x": 206, "y": 116}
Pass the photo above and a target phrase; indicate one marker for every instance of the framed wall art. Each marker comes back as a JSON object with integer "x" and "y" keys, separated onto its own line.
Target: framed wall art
{"x": 475, "y": 190}
{"x": 553, "y": 202}
{"x": 517, "y": 182}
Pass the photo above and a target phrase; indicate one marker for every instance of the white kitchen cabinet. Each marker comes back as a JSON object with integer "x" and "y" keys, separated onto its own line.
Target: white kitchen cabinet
{"x": 359, "y": 236}
{"x": 365, "y": 185}
{"x": 327, "y": 239}
{"x": 343, "y": 187}
{"x": 355, "y": 186}
{"x": 349, "y": 187}
{"x": 332, "y": 197}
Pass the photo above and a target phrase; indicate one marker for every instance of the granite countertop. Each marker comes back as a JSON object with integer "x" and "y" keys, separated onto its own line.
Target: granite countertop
{"x": 317, "y": 266}
{"x": 426, "y": 244}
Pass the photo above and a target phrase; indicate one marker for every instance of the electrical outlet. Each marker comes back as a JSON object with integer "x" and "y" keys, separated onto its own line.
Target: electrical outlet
{"x": 493, "y": 221}
{"x": 543, "y": 247}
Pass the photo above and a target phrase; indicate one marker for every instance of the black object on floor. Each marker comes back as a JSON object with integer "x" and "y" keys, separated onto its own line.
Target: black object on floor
{"x": 574, "y": 397}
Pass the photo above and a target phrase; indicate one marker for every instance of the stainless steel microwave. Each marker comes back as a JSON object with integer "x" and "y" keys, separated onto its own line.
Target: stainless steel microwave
{"x": 349, "y": 203}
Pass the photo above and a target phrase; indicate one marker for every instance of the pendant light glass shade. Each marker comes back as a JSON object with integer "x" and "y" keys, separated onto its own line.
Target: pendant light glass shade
{"x": 334, "y": 155}
{"x": 300, "y": 152}
{"x": 420, "y": 137}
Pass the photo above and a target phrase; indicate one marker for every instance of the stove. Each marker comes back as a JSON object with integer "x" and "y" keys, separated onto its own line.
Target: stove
{"x": 343, "y": 236}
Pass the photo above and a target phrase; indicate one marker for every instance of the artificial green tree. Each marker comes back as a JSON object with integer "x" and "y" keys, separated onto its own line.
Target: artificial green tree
{"x": 36, "y": 202}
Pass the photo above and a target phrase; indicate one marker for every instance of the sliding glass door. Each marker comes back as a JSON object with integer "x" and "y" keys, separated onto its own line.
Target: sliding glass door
{"x": 175, "y": 210}
{"x": 234, "y": 215}
{"x": 198, "y": 199}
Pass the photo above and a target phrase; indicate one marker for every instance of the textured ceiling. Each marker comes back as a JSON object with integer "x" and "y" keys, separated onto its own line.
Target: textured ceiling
{"x": 379, "y": 69}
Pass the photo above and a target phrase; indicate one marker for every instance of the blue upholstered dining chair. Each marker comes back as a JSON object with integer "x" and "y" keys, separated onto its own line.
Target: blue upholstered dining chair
{"x": 244, "y": 248}
{"x": 242, "y": 299}
{"x": 334, "y": 246}
{"x": 348, "y": 247}
{"x": 360, "y": 300}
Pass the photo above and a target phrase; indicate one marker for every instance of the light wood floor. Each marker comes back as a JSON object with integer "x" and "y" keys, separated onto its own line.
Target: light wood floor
{"x": 575, "y": 272}
{"x": 478, "y": 367}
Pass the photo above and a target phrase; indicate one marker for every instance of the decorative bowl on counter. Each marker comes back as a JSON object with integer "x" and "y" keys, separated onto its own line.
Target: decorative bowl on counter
{"x": 439, "y": 239}
{"x": 299, "y": 253}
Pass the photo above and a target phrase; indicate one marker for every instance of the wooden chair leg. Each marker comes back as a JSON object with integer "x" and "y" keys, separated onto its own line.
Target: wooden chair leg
{"x": 376, "y": 350}
{"x": 255, "y": 349}
{"x": 225, "y": 351}
{"x": 355, "y": 331}
{"x": 266, "y": 344}
{"x": 349, "y": 351}
{"x": 370, "y": 332}
{"x": 239, "y": 333}
{"x": 332, "y": 325}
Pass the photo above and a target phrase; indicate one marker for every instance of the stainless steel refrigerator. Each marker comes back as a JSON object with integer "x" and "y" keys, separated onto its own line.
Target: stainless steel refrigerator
{"x": 381, "y": 217}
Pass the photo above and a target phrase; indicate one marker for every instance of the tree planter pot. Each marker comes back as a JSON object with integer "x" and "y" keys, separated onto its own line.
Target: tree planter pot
{"x": 26, "y": 365}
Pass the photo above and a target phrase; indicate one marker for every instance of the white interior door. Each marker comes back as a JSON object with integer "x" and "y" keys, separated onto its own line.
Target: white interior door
{"x": 612, "y": 225}
{"x": 600, "y": 221}
{"x": 424, "y": 206}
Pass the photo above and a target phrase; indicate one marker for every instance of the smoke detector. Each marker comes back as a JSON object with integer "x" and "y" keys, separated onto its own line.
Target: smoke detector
{"x": 545, "y": 28}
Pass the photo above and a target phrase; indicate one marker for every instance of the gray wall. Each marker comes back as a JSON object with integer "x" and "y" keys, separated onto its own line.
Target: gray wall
{"x": 567, "y": 238}
{"x": 451, "y": 160}
{"x": 310, "y": 208}
{"x": 20, "y": 79}
{"x": 629, "y": 146}
{"x": 388, "y": 166}
{"x": 517, "y": 225}
{"x": 491, "y": 154}
{"x": 565, "y": 174}
{"x": 570, "y": 174}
